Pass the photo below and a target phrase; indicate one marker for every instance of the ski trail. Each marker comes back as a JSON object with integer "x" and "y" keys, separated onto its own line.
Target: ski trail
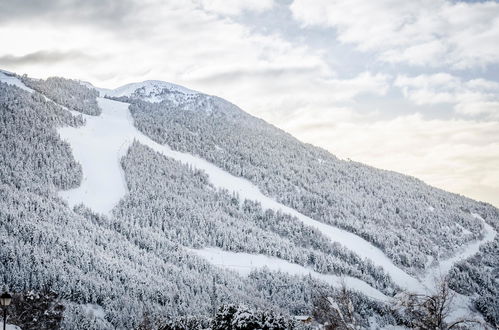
{"x": 99, "y": 146}
{"x": 434, "y": 274}
{"x": 244, "y": 263}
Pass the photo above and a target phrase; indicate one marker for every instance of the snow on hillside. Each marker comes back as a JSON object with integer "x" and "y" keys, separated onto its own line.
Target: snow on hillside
{"x": 149, "y": 90}
{"x": 105, "y": 138}
{"x": 11, "y": 79}
{"x": 100, "y": 144}
{"x": 244, "y": 263}
{"x": 465, "y": 252}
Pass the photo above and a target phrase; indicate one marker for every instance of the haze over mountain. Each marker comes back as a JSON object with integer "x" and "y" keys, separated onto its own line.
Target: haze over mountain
{"x": 154, "y": 200}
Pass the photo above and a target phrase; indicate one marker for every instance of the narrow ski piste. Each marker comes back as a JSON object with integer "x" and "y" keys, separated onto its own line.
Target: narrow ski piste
{"x": 243, "y": 263}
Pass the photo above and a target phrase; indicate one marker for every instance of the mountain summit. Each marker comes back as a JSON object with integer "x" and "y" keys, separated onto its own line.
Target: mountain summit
{"x": 149, "y": 90}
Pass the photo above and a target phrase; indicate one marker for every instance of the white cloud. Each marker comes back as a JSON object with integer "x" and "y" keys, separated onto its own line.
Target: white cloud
{"x": 419, "y": 32}
{"x": 473, "y": 97}
{"x": 236, "y": 7}
{"x": 275, "y": 96}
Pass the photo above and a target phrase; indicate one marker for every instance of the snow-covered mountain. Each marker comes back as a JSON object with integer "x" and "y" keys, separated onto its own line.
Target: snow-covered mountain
{"x": 150, "y": 90}
{"x": 152, "y": 200}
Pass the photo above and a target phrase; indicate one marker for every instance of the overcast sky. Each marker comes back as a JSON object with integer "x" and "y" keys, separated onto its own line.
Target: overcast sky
{"x": 411, "y": 86}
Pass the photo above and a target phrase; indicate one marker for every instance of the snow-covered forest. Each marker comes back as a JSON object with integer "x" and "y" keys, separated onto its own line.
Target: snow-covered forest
{"x": 478, "y": 276}
{"x": 412, "y": 222}
{"x": 66, "y": 92}
{"x": 136, "y": 265}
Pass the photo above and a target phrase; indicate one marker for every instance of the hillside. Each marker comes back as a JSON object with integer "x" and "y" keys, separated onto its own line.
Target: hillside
{"x": 156, "y": 200}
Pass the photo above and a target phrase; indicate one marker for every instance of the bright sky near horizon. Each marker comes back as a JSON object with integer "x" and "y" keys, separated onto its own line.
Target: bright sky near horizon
{"x": 410, "y": 86}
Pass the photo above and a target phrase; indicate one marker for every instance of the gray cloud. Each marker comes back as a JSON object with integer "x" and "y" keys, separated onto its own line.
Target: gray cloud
{"x": 107, "y": 12}
{"x": 43, "y": 57}
{"x": 237, "y": 75}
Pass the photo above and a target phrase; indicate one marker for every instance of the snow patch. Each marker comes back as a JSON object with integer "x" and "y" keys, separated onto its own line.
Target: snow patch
{"x": 9, "y": 326}
{"x": 94, "y": 310}
{"x": 244, "y": 263}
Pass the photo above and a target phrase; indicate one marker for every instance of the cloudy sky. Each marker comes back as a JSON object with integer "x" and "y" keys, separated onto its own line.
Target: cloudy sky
{"x": 411, "y": 86}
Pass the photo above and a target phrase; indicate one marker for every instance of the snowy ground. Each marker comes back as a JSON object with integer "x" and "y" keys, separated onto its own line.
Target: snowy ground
{"x": 244, "y": 263}
{"x": 9, "y": 326}
{"x": 94, "y": 310}
{"x": 98, "y": 147}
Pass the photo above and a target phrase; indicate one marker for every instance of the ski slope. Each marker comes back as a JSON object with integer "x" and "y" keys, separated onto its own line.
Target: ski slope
{"x": 246, "y": 190}
{"x": 244, "y": 263}
{"x": 99, "y": 146}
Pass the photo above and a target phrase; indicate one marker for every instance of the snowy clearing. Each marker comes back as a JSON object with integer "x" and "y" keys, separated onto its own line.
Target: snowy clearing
{"x": 94, "y": 310}
{"x": 244, "y": 263}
